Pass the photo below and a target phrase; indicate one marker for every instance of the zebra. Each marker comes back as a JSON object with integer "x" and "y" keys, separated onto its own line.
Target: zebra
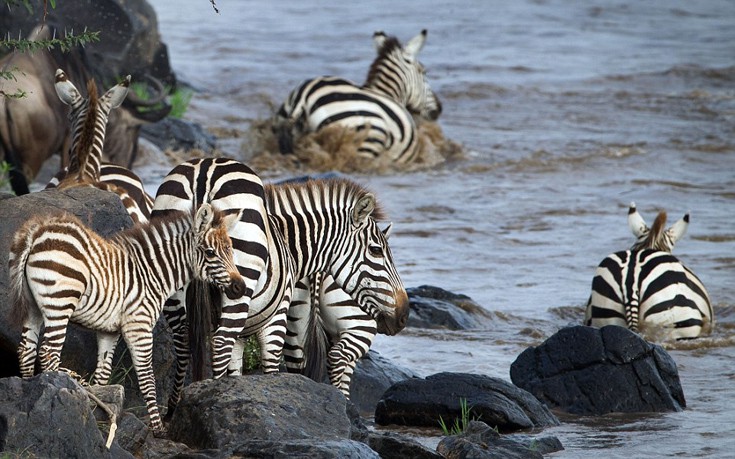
{"x": 89, "y": 123}
{"x": 396, "y": 88}
{"x": 317, "y": 226}
{"x": 646, "y": 288}
{"x": 60, "y": 270}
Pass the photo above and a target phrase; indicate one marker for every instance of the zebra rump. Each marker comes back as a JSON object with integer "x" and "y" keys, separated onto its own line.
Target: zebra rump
{"x": 649, "y": 291}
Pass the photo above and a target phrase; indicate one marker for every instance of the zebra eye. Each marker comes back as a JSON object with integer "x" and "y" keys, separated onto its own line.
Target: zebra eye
{"x": 376, "y": 250}
{"x": 209, "y": 253}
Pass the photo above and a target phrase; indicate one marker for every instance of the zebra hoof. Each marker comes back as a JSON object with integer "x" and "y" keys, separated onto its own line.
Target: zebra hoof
{"x": 160, "y": 432}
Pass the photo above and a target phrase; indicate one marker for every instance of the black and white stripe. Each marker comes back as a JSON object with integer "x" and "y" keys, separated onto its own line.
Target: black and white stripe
{"x": 61, "y": 271}
{"x": 382, "y": 109}
{"x": 647, "y": 289}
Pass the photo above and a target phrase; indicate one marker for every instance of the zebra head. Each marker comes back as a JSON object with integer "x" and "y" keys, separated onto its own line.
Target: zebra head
{"x": 655, "y": 237}
{"x": 398, "y": 73}
{"x": 89, "y": 122}
{"x": 214, "y": 260}
{"x": 365, "y": 268}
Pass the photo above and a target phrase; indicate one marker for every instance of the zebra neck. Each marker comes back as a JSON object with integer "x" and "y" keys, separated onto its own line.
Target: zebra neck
{"x": 86, "y": 147}
{"x": 162, "y": 251}
{"x": 306, "y": 241}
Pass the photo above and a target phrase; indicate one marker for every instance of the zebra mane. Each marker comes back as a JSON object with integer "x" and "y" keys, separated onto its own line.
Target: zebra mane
{"x": 318, "y": 189}
{"x": 82, "y": 146}
{"x": 390, "y": 45}
{"x": 656, "y": 237}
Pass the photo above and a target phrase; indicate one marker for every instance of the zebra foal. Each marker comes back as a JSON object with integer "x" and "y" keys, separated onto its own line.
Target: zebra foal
{"x": 647, "y": 289}
{"x": 382, "y": 109}
{"x": 61, "y": 271}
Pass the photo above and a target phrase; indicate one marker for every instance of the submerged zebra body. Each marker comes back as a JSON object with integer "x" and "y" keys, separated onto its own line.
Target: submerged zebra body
{"x": 647, "y": 289}
{"x": 381, "y": 110}
{"x": 62, "y": 271}
{"x": 89, "y": 123}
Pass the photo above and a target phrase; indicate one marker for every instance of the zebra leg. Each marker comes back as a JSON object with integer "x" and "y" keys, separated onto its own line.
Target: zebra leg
{"x": 235, "y": 366}
{"x": 340, "y": 362}
{"x": 174, "y": 310}
{"x": 271, "y": 338}
{"x": 231, "y": 325}
{"x": 28, "y": 348}
{"x": 106, "y": 344}
{"x": 140, "y": 344}
{"x": 54, "y": 336}
{"x": 296, "y": 328}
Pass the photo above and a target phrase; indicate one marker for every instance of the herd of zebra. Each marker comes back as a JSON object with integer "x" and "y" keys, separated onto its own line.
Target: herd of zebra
{"x": 301, "y": 267}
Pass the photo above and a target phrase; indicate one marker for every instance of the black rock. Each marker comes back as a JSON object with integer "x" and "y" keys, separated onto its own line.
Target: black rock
{"x": 48, "y": 415}
{"x": 433, "y": 307}
{"x": 422, "y": 402}
{"x": 480, "y": 441}
{"x": 373, "y": 375}
{"x": 391, "y": 445}
{"x": 176, "y": 134}
{"x": 590, "y": 371}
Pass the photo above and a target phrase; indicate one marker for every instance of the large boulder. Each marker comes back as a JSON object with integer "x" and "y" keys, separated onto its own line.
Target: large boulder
{"x": 422, "y": 402}
{"x": 129, "y": 41}
{"x": 590, "y": 371}
{"x": 225, "y": 413}
{"x": 48, "y": 415}
{"x": 433, "y": 307}
{"x": 373, "y": 375}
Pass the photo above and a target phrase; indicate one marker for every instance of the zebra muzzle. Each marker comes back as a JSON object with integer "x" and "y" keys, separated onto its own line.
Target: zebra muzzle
{"x": 236, "y": 289}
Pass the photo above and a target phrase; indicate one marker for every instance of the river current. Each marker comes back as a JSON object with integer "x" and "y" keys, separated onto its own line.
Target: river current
{"x": 565, "y": 112}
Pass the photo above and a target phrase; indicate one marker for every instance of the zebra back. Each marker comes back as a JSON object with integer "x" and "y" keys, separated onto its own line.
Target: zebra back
{"x": 89, "y": 123}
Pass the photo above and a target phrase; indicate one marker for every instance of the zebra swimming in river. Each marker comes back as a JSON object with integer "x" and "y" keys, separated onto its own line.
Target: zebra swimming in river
{"x": 381, "y": 111}
{"x": 62, "y": 271}
{"x": 647, "y": 289}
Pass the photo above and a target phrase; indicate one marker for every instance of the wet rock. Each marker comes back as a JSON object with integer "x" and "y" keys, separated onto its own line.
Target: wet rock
{"x": 480, "y": 441}
{"x": 394, "y": 446}
{"x": 223, "y": 413}
{"x": 48, "y": 415}
{"x": 422, "y": 402}
{"x": 373, "y": 375}
{"x": 179, "y": 135}
{"x": 433, "y": 307}
{"x": 329, "y": 449}
{"x": 590, "y": 371}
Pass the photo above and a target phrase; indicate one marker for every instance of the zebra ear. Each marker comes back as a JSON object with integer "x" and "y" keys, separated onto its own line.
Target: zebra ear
{"x": 415, "y": 44}
{"x": 635, "y": 221}
{"x": 65, "y": 89}
{"x": 204, "y": 217}
{"x": 117, "y": 94}
{"x": 678, "y": 229}
{"x": 387, "y": 230}
{"x": 379, "y": 40}
{"x": 229, "y": 221}
{"x": 363, "y": 209}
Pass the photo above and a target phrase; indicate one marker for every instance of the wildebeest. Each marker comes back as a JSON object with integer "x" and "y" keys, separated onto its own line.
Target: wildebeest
{"x": 34, "y": 127}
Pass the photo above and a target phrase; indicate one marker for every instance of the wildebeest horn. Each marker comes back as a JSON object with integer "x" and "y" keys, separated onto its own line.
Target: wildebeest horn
{"x": 143, "y": 108}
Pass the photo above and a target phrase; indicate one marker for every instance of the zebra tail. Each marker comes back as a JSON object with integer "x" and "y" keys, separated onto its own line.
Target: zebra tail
{"x": 21, "y": 298}
{"x": 316, "y": 344}
{"x": 200, "y": 297}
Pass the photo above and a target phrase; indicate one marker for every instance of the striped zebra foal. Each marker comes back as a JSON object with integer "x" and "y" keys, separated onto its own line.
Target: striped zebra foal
{"x": 89, "y": 124}
{"x": 61, "y": 271}
{"x": 647, "y": 289}
{"x": 396, "y": 88}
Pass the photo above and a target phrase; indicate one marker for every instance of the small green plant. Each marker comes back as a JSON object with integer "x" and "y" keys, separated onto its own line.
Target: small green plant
{"x": 251, "y": 355}
{"x": 178, "y": 98}
{"x": 460, "y": 425}
{"x": 4, "y": 173}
